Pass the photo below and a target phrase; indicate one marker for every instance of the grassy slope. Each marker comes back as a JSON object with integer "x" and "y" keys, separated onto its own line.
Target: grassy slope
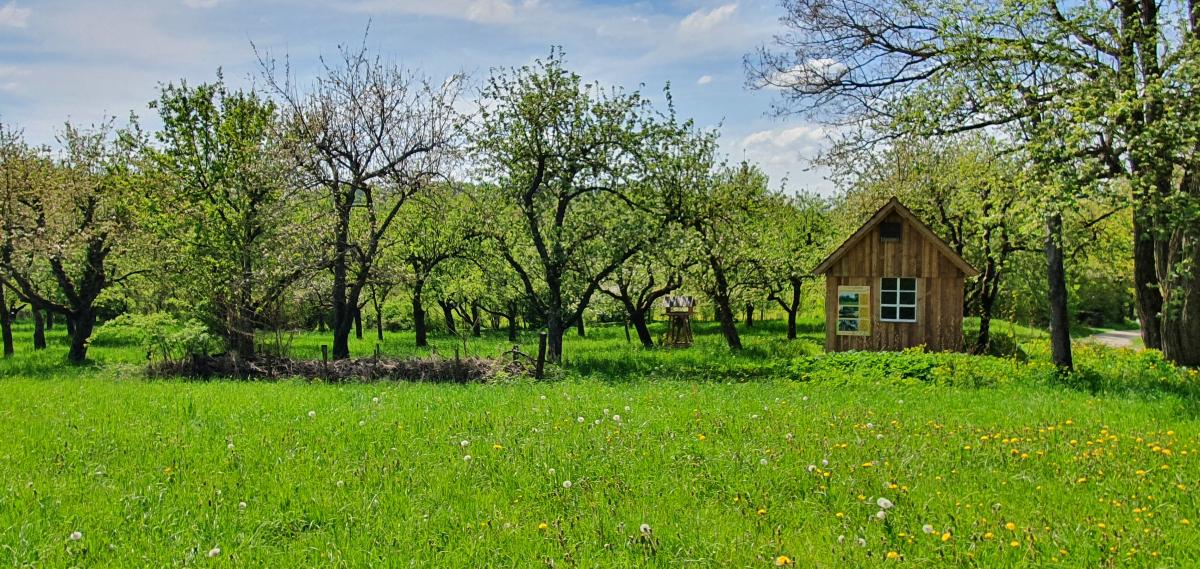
{"x": 144, "y": 469}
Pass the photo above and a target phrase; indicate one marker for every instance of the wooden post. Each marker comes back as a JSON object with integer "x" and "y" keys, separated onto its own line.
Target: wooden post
{"x": 541, "y": 361}
{"x": 325, "y": 359}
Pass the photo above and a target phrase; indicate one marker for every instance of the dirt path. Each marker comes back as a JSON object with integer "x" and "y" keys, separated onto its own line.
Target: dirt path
{"x": 1116, "y": 338}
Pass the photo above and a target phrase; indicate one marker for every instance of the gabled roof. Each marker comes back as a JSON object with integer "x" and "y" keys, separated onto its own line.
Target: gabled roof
{"x": 894, "y": 206}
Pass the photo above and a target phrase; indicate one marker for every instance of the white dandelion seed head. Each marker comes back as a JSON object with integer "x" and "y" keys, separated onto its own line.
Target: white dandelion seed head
{"x": 580, "y": 419}
{"x": 550, "y": 472}
{"x": 214, "y": 552}
{"x": 229, "y": 446}
{"x": 467, "y": 458}
{"x": 870, "y": 425}
{"x": 927, "y": 528}
{"x": 789, "y": 437}
{"x": 812, "y": 467}
{"x": 597, "y": 421}
{"x": 341, "y": 483}
{"x": 841, "y": 539}
{"x": 627, "y": 409}
{"x": 362, "y": 423}
{"x": 606, "y": 411}
{"x": 861, "y": 542}
{"x": 763, "y": 462}
{"x": 464, "y": 443}
{"x": 805, "y": 398}
{"x": 617, "y": 418}
{"x": 881, "y": 515}
{"x": 879, "y": 436}
{"x": 824, "y": 462}
{"x": 645, "y": 529}
{"x": 900, "y": 402}
{"x": 755, "y": 416}
{"x": 312, "y": 414}
{"x": 543, "y": 398}
{"x": 566, "y": 483}
{"x": 241, "y": 505}
{"x": 76, "y": 536}
{"x": 884, "y": 503}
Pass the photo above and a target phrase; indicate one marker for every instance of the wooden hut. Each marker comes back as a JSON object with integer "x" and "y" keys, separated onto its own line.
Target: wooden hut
{"x": 892, "y": 285}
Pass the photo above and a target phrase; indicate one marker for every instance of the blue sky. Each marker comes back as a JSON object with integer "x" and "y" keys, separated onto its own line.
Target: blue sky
{"x": 84, "y": 60}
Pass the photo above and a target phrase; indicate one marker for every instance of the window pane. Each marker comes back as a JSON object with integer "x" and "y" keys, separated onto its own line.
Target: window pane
{"x": 847, "y": 325}
{"x": 848, "y": 298}
{"x": 909, "y": 298}
{"x": 908, "y": 284}
{"x": 887, "y": 313}
{"x": 848, "y": 312}
{"x": 887, "y": 284}
{"x": 908, "y": 313}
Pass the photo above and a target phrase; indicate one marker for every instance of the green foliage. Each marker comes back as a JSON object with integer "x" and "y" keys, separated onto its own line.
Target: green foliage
{"x": 161, "y": 336}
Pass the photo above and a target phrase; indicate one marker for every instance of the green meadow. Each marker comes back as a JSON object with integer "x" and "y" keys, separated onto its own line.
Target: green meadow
{"x": 624, "y": 457}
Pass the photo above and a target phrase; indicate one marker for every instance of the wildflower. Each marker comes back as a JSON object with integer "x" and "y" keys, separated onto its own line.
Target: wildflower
{"x": 76, "y": 536}
{"x": 812, "y": 467}
{"x": 881, "y": 515}
{"x": 645, "y": 529}
{"x": 312, "y": 414}
{"x": 763, "y": 461}
{"x": 340, "y": 483}
{"x": 374, "y": 400}
{"x": 893, "y": 555}
{"x": 497, "y": 446}
{"x": 841, "y": 539}
{"x": 762, "y": 511}
{"x": 701, "y": 437}
{"x": 928, "y": 529}
{"x": 946, "y": 536}
{"x": 782, "y": 561}
{"x": 241, "y": 505}
{"x": 464, "y": 443}
{"x": 617, "y": 418}
{"x": 567, "y": 484}
{"x": 542, "y": 526}
{"x": 229, "y": 446}
{"x": 550, "y": 472}
{"x": 988, "y": 535}
{"x": 580, "y": 419}
{"x": 789, "y": 437}
{"x": 467, "y": 458}
{"x": 824, "y": 462}
{"x": 214, "y": 552}
{"x": 884, "y": 503}
{"x": 861, "y": 542}
{"x": 1185, "y": 522}
{"x": 1010, "y": 526}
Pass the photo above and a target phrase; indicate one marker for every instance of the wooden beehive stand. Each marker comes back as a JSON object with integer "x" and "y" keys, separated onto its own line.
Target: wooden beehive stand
{"x": 679, "y": 310}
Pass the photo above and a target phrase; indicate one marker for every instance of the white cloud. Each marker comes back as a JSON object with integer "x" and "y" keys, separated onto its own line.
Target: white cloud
{"x": 702, "y": 20}
{"x": 785, "y": 138}
{"x": 490, "y": 11}
{"x": 14, "y": 16}
{"x": 704, "y": 80}
{"x": 200, "y": 3}
{"x": 809, "y": 76}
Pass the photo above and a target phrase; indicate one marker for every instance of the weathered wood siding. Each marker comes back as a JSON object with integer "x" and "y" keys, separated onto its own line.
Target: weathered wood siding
{"x": 939, "y": 293}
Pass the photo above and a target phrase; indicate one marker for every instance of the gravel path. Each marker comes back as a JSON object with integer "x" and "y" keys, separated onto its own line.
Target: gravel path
{"x": 1116, "y": 338}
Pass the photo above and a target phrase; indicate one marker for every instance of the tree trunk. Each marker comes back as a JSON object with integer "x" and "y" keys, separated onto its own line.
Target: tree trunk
{"x": 794, "y": 308}
{"x": 476, "y": 320}
{"x": 358, "y": 327}
{"x": 1181, "y": 308}
{"x": 379, "y": 321}
{"x": 579, "y": 328}
{"x": 1147, "y": 295}
{"x": 448, "y": 316}
{"x": 749, "y": 314}
{"x": 6, "y": 324}
{"x": 83, "y": 322}
{"x": 39, "y": 329}
{"x": 239, "y": 337}
{"x": 638, "y": 319}
{"x": 419, "y": 325}
{"x": 725, "y": 315}
{"x": 342, "y": 306}
{"x": 989, "y": 289}
{"x": 1056, "y": 279}
{"x": 512, "y": 322}
{"x": 49, "y": 320}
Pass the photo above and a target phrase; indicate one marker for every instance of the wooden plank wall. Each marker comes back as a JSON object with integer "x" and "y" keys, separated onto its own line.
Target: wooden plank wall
{"x": 939, "y": 291}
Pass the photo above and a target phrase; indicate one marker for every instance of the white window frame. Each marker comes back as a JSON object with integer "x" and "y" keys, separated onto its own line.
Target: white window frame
{"x": 898, "y": 305}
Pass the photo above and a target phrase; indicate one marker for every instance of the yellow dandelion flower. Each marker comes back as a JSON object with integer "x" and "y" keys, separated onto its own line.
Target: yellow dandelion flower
{"x": 988, "y": 535}
{"x": 1010, "y": 526}
{"x": 762, "y": 511}
{"x": 893, "y": 555}
{"x": 497, "y": 446}
{"x": 1185, "y": 522}
{"x": 946, "y": 536}
{"x": 1014, "y": 543}
{"x": 542, "y": 526}
{"x": 783, "y": 561}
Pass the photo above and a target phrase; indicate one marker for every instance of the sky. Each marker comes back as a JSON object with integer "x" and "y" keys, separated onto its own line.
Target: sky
{"x": 87, "y": 60}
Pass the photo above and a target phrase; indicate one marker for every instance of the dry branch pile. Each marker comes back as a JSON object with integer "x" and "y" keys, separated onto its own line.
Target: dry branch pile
{"x": 430, "y": 369}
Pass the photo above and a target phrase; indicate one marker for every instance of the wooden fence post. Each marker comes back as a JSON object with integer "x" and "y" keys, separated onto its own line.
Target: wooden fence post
{"x": 541, "y": 361}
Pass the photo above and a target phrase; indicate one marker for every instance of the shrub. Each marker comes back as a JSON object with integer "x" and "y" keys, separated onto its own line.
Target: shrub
{"x": 161, "y": 335}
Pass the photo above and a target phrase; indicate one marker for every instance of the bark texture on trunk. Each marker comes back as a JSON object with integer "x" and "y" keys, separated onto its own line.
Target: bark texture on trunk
{"x": 39, "y": 328}
{"x": 6, "y": 323}
{"x": 1056, "y": 280}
